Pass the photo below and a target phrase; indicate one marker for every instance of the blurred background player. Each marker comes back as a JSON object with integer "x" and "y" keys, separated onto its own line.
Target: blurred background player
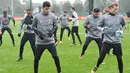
{"x": 75, "y": 26}
{"x": 29, "y": 34}
{"x": 64, "y": 21}
{"x": 93, "y": 33}
{"x": 5, "y": 22}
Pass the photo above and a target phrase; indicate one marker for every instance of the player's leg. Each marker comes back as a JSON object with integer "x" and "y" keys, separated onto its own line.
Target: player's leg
{"x": 73, "y": 37}
{"x": 118, "y": 52}
{"x": 11, "y": 35}
{"x": 99, "y": 43}
{"x": 3, "y": 30}
{"x": 32, "y": 42}
{"x": 38, "y": 52}
{"x": 52, "y": 50}
{"x": 69, "y": 31}
{"x": 105, "y": 49}
{"x": 55, "y": 36}
{"x": 23, "y": 42}
{"x": 85, "y": 46}
{"x": 77, "y": 34}
{"x": 61, "y": 34}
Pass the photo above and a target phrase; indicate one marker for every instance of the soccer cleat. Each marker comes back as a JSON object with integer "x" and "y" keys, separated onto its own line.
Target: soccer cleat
{"x": 81, "y": 57}
{"x": 72, "y": 44}
{"x": 19, "y": 59}
{"x": 60, "y": 42}
{"x": 68, "y": 38}
{"x": 79, "y": 44}
{"x": 13, "y": 44}
{"x": 57, "y": 42}
{"x": 94, "y": 70}
{"x": 103, "y": 62}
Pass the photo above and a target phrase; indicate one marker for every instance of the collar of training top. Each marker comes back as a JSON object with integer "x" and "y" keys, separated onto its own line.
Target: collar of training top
{"x": 45, "y": 14}
{"x": 112, "y": 14}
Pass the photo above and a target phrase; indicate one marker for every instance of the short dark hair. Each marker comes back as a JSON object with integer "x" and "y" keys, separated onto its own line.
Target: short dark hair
{"x": 53, "y": 11}
{"x": 29, "y": 10}
{"x": 73, "y": 8}
{"x": 65, "y": 11}
{"x": 96, "y": 10}
{"x": 46, "y": 4}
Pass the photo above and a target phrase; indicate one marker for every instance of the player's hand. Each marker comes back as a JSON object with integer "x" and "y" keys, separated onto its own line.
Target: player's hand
{"x": 19, "y": 34}
{"x": 89, "y": 26}
{"x": 28, "y": 27}
{"x": 41, "y": 37}
{"x": 106, "y": 30}
{"x": 50, "y": 34}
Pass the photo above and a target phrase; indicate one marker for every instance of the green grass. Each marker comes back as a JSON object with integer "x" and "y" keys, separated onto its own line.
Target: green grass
{"x": 69, "y": 57}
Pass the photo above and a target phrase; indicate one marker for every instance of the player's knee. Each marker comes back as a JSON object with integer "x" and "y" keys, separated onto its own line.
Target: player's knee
{"x": 22, "y": 46}
{"x": 36, "y": 59}
{"x": 119, "y": 58}
{"x": 85, "y": 45}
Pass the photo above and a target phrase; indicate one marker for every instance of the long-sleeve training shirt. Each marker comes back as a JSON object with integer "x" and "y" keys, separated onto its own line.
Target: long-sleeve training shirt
{"x": 5, "y": 21}
{"x": 75, "y": 19}
{"x": 45, "y": 24}
{"x": 93, "y": 31}
{"x": 114, "y": 23}
{"x": 64, "y": 21}
{"x": 27, "y": 22}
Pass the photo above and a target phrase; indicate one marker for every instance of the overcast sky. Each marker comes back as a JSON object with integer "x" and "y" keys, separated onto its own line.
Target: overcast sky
{"x": 40, "y": 1}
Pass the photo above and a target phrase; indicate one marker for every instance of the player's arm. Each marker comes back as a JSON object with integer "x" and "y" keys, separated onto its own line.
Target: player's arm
{"x": 59, "y": 19}
{"x": 101, "y": 24}
{"x": 20, "y": 28}
{"x": 0, "y": 26}
{"x": 75, "y": 17}
{"x": 37, "y": 32}
{"x": 54, "y": 27}
{"x": 69, "y": 19}
{"x": 12, "y": 18}
{"x": 123, "y": 24}
{"x": 86, "y": 24}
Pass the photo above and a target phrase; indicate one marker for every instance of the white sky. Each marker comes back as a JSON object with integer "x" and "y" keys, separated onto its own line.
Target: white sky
{"x": 40, "y": 1}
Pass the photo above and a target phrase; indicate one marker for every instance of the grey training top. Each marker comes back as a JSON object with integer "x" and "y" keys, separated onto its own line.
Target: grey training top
{"x": 114, "y": 23}
{"x": 5, "y": 21}
{"x": 44, "y": 23}
{"x": 93, "y": 32}
{"x": 64, "y": 21}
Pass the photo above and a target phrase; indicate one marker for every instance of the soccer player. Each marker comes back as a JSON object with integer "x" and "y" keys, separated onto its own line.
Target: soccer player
{"x": 5, "y": 22}
{"x": 64, "y": 19}
{"x": 75, "y": 26}
{"x": 112, "y": 36}
{"x": 44, "y": 26}
{"x": 29, "y": 34}
{"x": 55, "y": 32}
{"x": 91, "y": 24}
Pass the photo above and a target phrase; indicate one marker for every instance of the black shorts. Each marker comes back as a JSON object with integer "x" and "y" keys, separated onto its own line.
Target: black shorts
{"x": 117, "y": 48}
